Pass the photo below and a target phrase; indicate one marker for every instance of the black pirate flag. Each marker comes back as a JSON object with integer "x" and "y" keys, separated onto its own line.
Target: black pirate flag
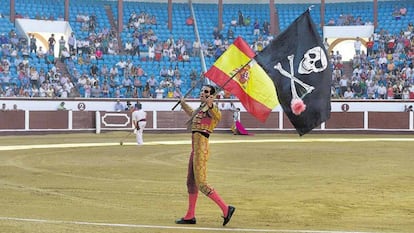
{"x": 297, "y": 62}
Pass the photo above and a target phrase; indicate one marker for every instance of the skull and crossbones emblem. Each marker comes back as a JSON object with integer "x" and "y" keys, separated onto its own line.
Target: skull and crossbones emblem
{"x": 314, "y": 60}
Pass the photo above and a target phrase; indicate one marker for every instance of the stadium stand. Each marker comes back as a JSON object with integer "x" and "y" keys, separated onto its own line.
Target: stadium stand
{"x": 146, "y": 23}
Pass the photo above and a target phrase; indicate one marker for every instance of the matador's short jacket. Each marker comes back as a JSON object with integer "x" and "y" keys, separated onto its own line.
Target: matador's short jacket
{"x": 205, "y": 120}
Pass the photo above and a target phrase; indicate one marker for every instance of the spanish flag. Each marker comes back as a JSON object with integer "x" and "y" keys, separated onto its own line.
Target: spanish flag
{"x": 237, "y": 72}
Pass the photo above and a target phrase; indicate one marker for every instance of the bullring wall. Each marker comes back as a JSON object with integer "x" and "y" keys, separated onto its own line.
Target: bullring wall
{"x": 343, "y": 119}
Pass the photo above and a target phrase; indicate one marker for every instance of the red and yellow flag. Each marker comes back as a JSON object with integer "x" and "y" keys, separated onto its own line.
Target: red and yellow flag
{"x": 237, "y": 72}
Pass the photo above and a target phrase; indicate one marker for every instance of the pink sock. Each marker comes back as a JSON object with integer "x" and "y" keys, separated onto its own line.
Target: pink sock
{"x": 192, "y": 200}
{"x": 217, "y": 199}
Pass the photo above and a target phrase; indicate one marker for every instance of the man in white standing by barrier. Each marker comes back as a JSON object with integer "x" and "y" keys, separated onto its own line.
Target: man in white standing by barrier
{"x": 139, "y": 121}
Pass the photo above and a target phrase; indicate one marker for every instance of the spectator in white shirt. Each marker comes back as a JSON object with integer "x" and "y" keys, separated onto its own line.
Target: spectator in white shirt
{"x": 121, "y": 65}
{"x": 40, "y": 53}
{"x": 128, "y": 47}
{"x": 348, "y": 94}
{"x": 357, "y": 46}
{"x": 159, "y": 93}
{"x": 151, "y": 52}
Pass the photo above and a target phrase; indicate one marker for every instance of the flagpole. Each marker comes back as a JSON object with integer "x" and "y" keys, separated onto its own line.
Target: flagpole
{"x": 187, "y": 93}
{"x": 185, "y": 96}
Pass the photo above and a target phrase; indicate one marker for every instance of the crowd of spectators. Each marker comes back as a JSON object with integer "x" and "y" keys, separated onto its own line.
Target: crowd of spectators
{"x": 29, "y": 71}
{"x": 385, "y": 71}
{"x": 351, "y": 20}
{"x": 348, "y": 20}
{"x": 387, "y": 64}
{"x": 220, "y": 42}
{"x": 124, "y": 78}
{"x": 127, "y": 78}
{"x": 20, "y": 75}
